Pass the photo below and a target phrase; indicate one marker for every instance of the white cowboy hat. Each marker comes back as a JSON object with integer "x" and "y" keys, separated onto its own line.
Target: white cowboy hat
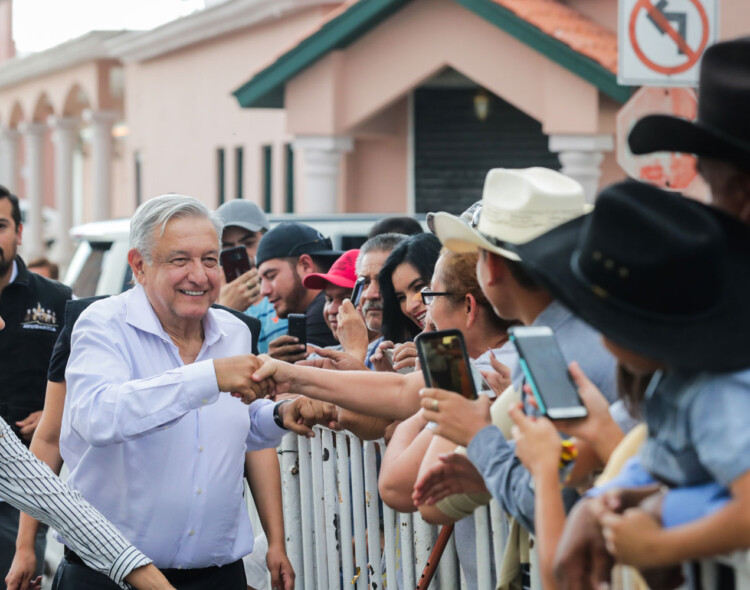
{"x": 517, "y": 206}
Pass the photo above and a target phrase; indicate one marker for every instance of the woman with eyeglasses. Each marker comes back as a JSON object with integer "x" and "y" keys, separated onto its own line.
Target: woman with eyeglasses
{"x": 455, "y": 301}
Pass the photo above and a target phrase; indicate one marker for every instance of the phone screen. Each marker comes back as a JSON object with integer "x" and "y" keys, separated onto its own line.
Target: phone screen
{"x": 235, "y": 262}
{"x": 357, "y": 291}
{"x": 445, "y": 362}
{"x": 547, "y": 372}
{"x": 297, "y": 326}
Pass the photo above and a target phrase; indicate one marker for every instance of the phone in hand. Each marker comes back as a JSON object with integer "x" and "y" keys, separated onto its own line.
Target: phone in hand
{"x": 235, "y": 262}
{"x": 445, "y": 362}
{"x": 297, "y": 326}
{"x": 359, "y": 287}
{"x": 546, "y": 372}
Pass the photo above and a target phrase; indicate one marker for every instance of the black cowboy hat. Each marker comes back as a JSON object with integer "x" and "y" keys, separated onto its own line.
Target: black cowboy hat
{"x": 722, "y": 129}
{"x": 659, "y": 274}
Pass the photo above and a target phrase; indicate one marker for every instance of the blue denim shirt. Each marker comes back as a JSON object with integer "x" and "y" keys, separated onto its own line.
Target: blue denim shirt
{"x": 697, "y": 428}
{"x": 505, "y": 476}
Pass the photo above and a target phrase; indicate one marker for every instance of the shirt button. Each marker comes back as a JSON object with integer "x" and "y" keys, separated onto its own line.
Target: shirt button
{"x": 192, "y": 533}
{"x": 200, "y": 491}
{"x": 204, "y": 401}
{"x": 200, "y": 448}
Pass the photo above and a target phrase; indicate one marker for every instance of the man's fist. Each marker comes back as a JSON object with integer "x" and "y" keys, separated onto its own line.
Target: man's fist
{"x": 234, "y": 374}
{"x": 302, "y": 413}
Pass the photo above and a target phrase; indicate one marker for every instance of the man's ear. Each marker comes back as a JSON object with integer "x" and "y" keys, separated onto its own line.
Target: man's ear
{"x": 305, "y": 265}
{"x": 137, "y": 263}
{"x": 496, "y": 269}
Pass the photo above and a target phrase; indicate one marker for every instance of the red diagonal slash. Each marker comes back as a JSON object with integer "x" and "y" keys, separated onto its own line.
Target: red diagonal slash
{"x": 666, "y": 26}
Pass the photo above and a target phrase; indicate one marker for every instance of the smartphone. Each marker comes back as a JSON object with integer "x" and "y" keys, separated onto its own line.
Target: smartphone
{"x": 547, "y": 372}
{"x": 297, "y": 326}
{"x": 235, "y": 262}
{"x": 445, "y": 362}
{"x": 359, "y": 287}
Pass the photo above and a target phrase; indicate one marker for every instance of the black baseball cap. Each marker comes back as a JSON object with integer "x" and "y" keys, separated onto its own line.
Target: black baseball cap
{"x": 294, "y": 239}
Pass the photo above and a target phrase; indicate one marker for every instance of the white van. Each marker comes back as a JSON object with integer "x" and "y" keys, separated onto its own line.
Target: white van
{"x": 100, "y": 266}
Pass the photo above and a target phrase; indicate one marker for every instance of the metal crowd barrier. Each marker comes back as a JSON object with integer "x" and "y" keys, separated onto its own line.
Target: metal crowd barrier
{"x": 339, "y": 534}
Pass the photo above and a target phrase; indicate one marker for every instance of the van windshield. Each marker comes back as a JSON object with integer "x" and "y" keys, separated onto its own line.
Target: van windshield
{"x": 88, "y": 278}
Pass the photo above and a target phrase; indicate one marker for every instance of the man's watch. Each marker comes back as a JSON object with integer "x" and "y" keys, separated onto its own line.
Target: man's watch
{"x": 277, "y": 417}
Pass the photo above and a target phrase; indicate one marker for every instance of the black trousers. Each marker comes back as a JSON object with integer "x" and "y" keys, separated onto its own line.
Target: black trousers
{"x": 72, "y": 574}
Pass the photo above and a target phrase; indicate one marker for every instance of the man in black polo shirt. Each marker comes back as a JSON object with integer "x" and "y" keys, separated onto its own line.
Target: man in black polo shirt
{"x": 33, "y": 308}
{"x": 285, "y": 256}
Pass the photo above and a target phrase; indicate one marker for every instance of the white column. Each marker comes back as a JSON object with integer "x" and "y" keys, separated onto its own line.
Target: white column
{"x": 101, "y": 150}
{"x": 33, "y": 231}
{"x": 64, "y": 134}
{"x": 9, "y": 158}
{"x": 581, "y": 157}
{"x": 321, "y": 157}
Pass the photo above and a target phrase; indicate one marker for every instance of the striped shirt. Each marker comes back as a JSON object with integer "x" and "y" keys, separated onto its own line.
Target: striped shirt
{"x": 29, "y": 485}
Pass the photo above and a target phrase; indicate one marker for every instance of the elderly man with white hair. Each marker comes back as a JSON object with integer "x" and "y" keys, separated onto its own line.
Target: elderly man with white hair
{"x": 150, "y": 432}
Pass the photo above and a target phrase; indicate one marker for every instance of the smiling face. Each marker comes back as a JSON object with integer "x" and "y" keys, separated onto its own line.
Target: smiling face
{"x": 408, "y": 284}
{"x": 182, "y": 280}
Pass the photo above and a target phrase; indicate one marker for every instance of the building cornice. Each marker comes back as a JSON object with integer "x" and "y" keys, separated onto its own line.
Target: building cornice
{"x": 206, "y": 24}
{"x": 89, "y": 47}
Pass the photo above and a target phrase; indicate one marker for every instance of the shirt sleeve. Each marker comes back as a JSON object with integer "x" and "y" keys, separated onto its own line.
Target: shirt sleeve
{"x": 507, "y": 479}
{"x": 718, "y": 427}
{"x": 106, "y": 406}
{"x": 264, "y": 433}
{"x": 30, "y": 486}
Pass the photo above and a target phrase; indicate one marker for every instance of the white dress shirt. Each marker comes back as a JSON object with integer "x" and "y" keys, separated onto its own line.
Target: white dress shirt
{"x": 30, "y": 486}
{"x": 151, "y": 442}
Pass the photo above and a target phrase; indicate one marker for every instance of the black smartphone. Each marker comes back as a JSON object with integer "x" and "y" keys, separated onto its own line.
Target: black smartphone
{"x": 445, "y": 362}
{"x": 359, "y": 287}
{"x": 235, "y": 262}
{"x": 547, "y": 372}
{"x": 297, "y": 326}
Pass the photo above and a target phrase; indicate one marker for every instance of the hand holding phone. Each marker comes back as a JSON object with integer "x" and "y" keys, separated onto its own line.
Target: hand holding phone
{"x": 445, "y": 362}
{"x": 546, "y": 372}
{"x": 235, "y": 262}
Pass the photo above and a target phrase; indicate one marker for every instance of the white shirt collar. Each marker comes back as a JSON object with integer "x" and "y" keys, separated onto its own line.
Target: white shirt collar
{"x": 141, "y": 315}
{"x": 14, "y": 272}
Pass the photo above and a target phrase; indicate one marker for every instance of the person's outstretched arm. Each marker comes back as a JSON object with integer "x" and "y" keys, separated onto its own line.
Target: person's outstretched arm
{"x": 30, "y": 486}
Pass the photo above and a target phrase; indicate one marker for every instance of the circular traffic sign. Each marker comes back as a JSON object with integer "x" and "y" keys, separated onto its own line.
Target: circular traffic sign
{"x": 655, "y": 13}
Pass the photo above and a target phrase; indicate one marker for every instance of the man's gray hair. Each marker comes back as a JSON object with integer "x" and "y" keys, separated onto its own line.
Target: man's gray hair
{"x": 157, "y": 212}
{"x": 380, "y": 243}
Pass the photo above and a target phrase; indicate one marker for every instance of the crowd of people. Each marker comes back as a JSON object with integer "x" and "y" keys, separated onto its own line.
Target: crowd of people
{"x": 141, "y": 394}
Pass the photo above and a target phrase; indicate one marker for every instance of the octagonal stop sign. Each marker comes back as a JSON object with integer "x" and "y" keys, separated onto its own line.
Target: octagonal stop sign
{"x": 668, "y": 170}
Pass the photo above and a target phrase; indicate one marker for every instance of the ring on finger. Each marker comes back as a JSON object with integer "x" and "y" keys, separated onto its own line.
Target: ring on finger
{"x": 434, "y": 406}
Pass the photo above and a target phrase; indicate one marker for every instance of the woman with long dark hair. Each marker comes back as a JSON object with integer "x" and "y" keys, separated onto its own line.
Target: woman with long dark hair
{"x": 406, "y": 271}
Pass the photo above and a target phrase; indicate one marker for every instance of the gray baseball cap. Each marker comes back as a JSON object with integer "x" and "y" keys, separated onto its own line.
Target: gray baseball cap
{"x": 244, "y": 214}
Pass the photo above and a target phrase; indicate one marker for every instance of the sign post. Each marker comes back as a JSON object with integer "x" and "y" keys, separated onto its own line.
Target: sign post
{"x": 661, "y": 41}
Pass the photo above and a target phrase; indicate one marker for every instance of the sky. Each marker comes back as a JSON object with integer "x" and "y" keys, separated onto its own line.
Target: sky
{"x": 41, "y": 24}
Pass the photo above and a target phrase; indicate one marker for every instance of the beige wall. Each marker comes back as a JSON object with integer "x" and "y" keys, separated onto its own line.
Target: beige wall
{"x": 180, "y": 110}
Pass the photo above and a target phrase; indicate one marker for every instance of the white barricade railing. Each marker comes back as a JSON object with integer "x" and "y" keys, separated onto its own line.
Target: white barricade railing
{"x": 339, "y": 534}
{"x": 332, "y": 506}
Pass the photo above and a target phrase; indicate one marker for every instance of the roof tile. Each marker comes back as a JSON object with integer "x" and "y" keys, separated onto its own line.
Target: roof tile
{"x": 568, "y": 26}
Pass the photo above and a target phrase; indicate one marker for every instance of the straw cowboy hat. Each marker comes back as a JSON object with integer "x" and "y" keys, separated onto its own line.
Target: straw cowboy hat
{"x": 517, "y": 206}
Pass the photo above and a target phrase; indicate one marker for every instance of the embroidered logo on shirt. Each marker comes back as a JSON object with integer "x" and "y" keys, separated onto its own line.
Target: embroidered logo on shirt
{"x": 39, "y": 318}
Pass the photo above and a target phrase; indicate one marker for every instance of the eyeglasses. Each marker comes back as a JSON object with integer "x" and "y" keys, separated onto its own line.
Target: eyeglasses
{"x": 429, "y": 296}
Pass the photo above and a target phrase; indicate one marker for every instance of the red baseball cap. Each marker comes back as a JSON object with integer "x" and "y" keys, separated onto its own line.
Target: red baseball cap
{"x": 342, "y": 273}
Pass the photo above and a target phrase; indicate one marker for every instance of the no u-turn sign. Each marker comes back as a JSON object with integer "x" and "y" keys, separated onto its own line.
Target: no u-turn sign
{"x": 661, "y": 41}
